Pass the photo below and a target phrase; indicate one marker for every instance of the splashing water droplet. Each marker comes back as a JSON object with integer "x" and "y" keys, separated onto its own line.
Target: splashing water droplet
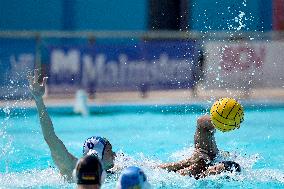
{"x": 6, "y": 110}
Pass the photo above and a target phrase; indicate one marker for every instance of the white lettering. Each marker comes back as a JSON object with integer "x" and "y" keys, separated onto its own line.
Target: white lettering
{"x": 67, "y": 63}
{"x": 120, "y": 72}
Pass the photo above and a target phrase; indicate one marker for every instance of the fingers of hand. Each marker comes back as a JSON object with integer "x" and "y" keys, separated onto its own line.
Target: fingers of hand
{"x": 35, "y": 76}
{"x": 44, "y": 81}
{"x": 30, "y": 79}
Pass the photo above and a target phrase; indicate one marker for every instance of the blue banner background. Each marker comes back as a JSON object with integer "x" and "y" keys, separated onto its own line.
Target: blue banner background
{"x": 117, "y": 67}
{"x": 145, "y": 65}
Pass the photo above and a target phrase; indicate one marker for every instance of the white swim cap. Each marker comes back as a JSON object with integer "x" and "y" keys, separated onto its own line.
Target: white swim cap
{"x": 96, "y": 145}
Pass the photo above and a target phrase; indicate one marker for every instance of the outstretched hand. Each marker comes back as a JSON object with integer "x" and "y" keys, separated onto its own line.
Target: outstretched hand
{"x": 37, "y": 89}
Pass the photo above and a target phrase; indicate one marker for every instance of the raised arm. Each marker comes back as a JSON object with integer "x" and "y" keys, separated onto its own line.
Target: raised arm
{"x": 64, "y": 160}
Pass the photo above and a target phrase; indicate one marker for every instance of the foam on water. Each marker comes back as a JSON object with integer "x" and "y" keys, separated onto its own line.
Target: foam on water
{"x": 33, "y": 178}
{"x": 159, "y": 178}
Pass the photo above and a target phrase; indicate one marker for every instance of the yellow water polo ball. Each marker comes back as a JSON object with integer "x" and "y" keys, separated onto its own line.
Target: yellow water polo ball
{"x": 226, "y": 114}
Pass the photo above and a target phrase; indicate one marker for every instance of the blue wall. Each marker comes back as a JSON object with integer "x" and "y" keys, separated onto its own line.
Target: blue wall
{"x": 73, "y": 14}
{"x": 127, "y": 14}
{"x": 30, "y": 15}
{"x": 111, "y": 14}
{"x": 220, "y": 14}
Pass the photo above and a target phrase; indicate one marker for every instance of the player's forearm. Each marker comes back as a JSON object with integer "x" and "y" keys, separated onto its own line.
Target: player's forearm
{"x": 45, "y": 121}
{"x": 170, "y": 166}
{"x": 174, "y": 166}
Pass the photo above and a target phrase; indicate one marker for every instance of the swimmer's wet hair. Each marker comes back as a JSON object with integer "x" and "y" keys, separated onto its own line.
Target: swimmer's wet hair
{"x": 88, "y": 170}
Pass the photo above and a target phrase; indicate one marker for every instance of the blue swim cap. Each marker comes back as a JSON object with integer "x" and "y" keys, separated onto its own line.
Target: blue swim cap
{"x": 133, "y": 177}
{"x": 96, "y": 144}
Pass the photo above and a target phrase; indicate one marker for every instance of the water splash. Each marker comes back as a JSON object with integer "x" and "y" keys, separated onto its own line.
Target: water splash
{"x": 160, "y": 178}
{"x": 6, "y": 140}
{"x": 239, "y": 20}
{"x": 34, "y": 179}
{"x": 182, "y": 154}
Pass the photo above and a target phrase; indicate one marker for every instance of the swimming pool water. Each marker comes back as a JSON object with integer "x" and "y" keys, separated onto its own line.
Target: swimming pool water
{"x": 146, "y": 138}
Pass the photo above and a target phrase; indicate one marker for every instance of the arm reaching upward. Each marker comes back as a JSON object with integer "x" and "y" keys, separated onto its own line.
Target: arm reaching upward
{"x": 64, "y": 160}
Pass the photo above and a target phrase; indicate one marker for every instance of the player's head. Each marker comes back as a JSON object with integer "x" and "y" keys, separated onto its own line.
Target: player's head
{"x": 133, "y": 178}
{"x": 102, "y": 148}
{"x": 89, "y": 171}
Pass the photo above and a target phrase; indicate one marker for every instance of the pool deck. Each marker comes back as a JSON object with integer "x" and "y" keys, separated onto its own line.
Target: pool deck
{"x": 156, "y": 97}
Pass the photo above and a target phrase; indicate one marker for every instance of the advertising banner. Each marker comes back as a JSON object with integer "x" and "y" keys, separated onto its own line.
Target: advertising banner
{"x": 244, "y": 65}
{"x": 118, "y": 67}
{"x": 278, "y": 15}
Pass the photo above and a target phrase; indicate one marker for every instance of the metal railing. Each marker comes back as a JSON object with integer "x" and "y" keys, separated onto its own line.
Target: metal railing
{"x": 212, "y": 35}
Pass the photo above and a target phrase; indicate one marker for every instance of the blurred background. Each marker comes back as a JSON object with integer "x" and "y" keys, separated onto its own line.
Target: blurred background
{"x": 143, "y": 49}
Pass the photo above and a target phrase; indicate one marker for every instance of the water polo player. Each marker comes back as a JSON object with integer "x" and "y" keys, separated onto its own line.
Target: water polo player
{"x": 200, "y": 164}
{"x": 63, "y": 159}
{"x": 133, "y": 178}
{"x": 89, "y": 172}
{"x": 205, "y": 150}
{"x": 102, "y": 148}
